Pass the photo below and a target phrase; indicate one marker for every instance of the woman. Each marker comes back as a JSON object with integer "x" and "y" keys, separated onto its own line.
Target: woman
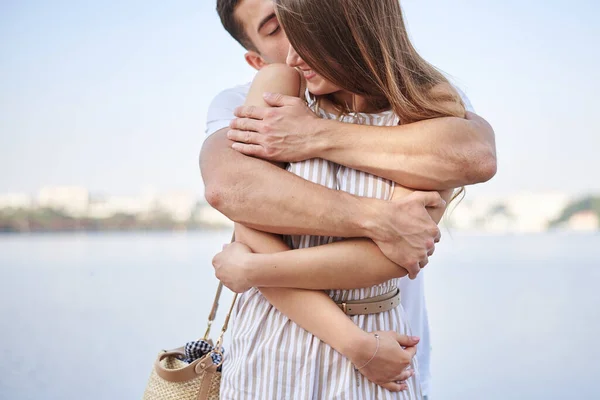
{"x": 359, "y": 66}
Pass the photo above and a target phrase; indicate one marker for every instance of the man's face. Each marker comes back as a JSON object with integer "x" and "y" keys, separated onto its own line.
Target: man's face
{"x": 260, "y": 24}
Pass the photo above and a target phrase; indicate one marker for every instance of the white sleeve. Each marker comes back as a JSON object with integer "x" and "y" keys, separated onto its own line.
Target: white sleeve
{"x": 465, "y": 99}
{"x": 220, "y": 111}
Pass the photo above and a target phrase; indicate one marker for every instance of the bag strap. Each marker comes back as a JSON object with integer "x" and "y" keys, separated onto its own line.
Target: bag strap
{"x": 215, "y": 307}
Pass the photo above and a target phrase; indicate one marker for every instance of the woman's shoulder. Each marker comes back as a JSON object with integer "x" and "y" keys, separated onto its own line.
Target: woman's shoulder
{"x": 283, "y": 74}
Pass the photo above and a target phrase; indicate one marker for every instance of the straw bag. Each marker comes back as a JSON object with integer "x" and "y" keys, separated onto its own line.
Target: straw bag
{"x": 176, "y": 377}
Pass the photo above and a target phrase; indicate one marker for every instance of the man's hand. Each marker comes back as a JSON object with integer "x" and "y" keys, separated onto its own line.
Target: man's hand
{"x": 390, "y": 366}
{"x": 284, "y": 132}
{"x": 231, "y": 267}
{"x": 405, "y": 232}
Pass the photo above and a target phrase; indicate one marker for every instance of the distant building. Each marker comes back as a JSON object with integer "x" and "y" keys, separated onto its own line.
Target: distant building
{"x": 16, "y": 201}
{"x": 535, "y": 210}
{"x": 586, "y": 221}
{"x": 71, "y": 200}
{"x": 179, "y": 205}
{"x": 207, "y": 215}
{"x": 112, "y": 205}
{"x": 521, "y": 213}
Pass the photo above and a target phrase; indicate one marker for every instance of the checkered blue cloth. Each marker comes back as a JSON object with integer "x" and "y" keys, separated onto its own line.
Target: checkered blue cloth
{"x": 198, "y": 349}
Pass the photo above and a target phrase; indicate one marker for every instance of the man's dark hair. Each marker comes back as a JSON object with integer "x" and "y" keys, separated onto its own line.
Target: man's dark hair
{"x": 226, "y": 9}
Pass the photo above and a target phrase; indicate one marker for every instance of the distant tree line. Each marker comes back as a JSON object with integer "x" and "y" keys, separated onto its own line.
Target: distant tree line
{"x": 590, "y": 203}
{"x": 51, "y": 220}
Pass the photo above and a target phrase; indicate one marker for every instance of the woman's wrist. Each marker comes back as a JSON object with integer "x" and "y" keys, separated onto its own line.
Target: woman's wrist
{"x": 359, "y": 347}
{"x": 252, "y": 270}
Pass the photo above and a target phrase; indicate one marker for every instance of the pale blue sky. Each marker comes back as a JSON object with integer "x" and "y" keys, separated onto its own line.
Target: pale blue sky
{"x": 113, "y": 95}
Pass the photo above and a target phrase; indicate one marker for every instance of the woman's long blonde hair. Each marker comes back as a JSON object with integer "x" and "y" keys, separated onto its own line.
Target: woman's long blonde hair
{"x": 362, "y": 46}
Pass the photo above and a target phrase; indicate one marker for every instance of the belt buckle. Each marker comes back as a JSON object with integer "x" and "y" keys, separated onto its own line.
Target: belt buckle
{"x": 344, "y": 308}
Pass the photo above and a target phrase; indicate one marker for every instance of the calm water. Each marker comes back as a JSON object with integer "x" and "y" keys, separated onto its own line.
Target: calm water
{"x": 83, "y": 316}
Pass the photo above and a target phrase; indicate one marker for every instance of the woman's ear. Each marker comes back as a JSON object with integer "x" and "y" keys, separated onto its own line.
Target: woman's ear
{"x": 255, "y": 60}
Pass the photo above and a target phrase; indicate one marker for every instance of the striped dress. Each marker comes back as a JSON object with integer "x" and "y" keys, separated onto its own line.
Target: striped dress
{"x": 272, "y": 358}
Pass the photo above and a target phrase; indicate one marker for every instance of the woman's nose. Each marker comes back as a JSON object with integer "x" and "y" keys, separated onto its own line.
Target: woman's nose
{"x": 293, "y": 59}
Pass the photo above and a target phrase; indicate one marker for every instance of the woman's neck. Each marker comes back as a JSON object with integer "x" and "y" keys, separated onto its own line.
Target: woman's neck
{"x": 351, "y": 102}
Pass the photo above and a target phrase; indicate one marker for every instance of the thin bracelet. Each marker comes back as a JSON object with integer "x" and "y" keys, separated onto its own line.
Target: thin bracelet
{"x": 374, "y": 354}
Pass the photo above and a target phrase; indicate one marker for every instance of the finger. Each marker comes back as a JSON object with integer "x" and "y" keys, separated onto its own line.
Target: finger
{"x": 411, "y": 350}
{"x": 438, "y": 237}
{"x": 280, "y": 100}
{"x": 432, "y": 199}
{"x": 243, "y": 136}
{"x": 253, "y": 112}
{"x": 395, "y": 387}
{"x": 431, "y": 251}
{"x": 246, "y": 124}
{"x": 424, "y": 262}
{"x": 413, "y": 270}
{"x": 406, "y": 374}
{"x": 407, "y": 341}
{"x": 250, "y": 149}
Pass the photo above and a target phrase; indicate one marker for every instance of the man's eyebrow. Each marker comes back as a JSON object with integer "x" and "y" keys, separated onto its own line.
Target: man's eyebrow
{"x": 265, "y": 20}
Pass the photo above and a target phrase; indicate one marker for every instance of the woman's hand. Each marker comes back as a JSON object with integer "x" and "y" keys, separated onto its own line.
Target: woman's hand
{"x": 284, "y": 132}
{"x": 390, "y": 366}
{"x": 231, "y": 266}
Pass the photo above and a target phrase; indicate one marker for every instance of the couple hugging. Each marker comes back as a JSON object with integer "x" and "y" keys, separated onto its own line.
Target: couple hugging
{"x": 336, "y": 164}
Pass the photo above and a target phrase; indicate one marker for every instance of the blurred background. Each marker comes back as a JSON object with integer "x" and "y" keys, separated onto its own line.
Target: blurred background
{"x": 106, "y": 240}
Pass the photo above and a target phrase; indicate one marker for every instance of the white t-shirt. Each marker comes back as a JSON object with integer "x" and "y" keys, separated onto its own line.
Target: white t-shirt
{"x": 220, "y": 114}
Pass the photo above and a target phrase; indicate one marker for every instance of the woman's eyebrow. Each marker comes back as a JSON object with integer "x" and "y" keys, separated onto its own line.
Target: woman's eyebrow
{"x": 265, "y": 20}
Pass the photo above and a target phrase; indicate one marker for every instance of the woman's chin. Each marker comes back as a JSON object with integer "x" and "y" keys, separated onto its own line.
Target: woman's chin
{"x": 318, "y": 89}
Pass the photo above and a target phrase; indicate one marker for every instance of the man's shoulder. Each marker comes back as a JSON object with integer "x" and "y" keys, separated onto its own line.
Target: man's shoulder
{"x": 220, "y": 110}
{"x": 465, "y": 99}
{"x": 236, "y": 94}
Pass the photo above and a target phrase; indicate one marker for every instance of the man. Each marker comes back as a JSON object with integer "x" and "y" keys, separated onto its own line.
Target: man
{"x": 435, "y": 154}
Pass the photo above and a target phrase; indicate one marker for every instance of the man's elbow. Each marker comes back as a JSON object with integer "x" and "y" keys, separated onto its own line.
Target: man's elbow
{"x": 215, "y": 196}
{"x": 482, "y": 166}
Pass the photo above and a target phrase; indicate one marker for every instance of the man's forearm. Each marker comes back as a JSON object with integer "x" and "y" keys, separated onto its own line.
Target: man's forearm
{"x": 263, "y": 196}
{"x": 435, "y": 154}
{"x": 348, "y": 264}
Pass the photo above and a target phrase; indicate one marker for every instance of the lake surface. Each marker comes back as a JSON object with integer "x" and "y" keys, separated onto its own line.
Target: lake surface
{"x": 83, "y": 316}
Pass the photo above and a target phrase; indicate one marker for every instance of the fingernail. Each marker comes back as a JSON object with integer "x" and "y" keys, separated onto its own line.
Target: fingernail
{"x": 267, "y": 94}
{"x": 415, "y": 338}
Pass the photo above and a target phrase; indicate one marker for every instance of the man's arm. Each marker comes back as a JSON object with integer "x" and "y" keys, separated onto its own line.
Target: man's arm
{"x": 435, "y": 154}
{"x": 262, "y": 196}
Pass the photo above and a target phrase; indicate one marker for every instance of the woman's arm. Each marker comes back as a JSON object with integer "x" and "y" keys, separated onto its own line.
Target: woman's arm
{"x": 348, "y": 264}
{"x": 314, "y": 310}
